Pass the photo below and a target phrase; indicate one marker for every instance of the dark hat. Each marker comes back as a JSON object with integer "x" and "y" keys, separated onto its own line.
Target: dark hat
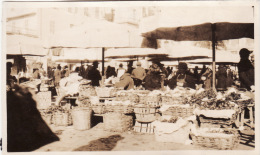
{"x": 244, "y": 52}
{"x": 95, "y": 63}
{"x": 183, "y": 65}
{"x": 157, "y": 62}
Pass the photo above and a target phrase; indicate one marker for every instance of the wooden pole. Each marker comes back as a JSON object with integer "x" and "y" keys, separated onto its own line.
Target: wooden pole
{"x": 213, "y": 26}
{"x": 103, "y": 61}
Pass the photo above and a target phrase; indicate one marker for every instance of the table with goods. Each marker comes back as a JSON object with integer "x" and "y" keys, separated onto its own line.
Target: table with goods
{"x": 206, "y": 118}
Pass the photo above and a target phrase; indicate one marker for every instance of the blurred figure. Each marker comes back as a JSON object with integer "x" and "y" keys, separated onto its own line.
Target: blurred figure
{"x": 36, "y": 73}
{"x": 120, "y": 70}
{"x": 221, "y": 76}
{"x": 26, "y": 130}
{"x": 204, "y": 68}
{"x": 94, "y": 74}
{"x": 246, "y": 70}
{"x": 10, "y": 80}
{"x": 229, "y": 77}
{"x": 110, "y": 72}
{"x": 130, "y": 67}
{"x": 154, "y": 79}
{"x": 65, "y": 72}
{"x": 125, "y": 82}
{"x": 183, "y": 78}
{"x": 57, "y": 76}
{"x": 206, "y": 77}
{"x": 138, "y": 74}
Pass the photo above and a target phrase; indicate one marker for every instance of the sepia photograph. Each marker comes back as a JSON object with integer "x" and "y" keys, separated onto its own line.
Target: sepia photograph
{"x": 129, "y": 76}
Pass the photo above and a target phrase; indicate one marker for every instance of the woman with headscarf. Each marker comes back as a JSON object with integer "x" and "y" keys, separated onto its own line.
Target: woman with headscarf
{"x": 154, "y": 78}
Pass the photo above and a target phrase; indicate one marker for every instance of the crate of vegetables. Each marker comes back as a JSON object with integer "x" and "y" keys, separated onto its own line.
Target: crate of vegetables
{"x": 179, "y": 111}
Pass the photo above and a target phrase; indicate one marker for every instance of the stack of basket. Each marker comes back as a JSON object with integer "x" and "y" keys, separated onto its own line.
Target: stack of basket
{"x": 62, "y": 118}
{"x": 145, "y": 114}
{"x": 210, "y": 134}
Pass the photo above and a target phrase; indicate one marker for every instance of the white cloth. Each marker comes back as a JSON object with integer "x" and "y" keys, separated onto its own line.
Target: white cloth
{"x": 215, "y": 113}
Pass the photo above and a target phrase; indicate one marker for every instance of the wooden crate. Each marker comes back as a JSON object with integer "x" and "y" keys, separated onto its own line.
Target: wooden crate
{"x": 144, "y": 127}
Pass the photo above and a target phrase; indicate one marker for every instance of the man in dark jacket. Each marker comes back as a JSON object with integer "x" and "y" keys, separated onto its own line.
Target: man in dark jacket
{"x": 183, "y": 78}
{"x": 94, "y": 74}
{"x": 246, "y": 70}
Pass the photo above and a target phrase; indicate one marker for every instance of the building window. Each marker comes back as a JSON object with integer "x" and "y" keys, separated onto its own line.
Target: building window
{"x": 86, "y": 11}
{"x": 144, "y": 12}
{"x": 52, "y": 27}
{"x": 97, "y": 12}
{"x": 76, "y": 10}
{"x": 69, "y": 10}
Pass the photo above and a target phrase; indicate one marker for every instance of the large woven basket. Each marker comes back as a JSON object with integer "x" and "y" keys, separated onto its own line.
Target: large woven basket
{"x": 145, "y": 114}
{"x": 216, "y": 142}
{"x": 82, "y": 118}
{"x": 117, "y": 122}
{"x": 179, "y": 136}
{"x": 178, "y": 111}
{"x": 124, "y": 109}
{"x": 62, "y": 119}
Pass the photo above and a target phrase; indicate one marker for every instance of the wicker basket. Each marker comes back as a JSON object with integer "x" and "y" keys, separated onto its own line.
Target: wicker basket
{"x": 153, "y": 101}
{"x": 178, "y": 111}
{"x": 117, "y": 122}
{"x": 62, "y": 119}
{"x": 124, "y": 109}
{"x": 179, "y": 136}
{"x": 145, "y": 114}
{"x": 216, "y": 142}
{"x": 99, "y": 109}
{"x": 82, "y": 118}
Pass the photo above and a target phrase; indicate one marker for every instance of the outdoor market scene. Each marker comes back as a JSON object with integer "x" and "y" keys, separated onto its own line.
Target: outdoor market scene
{"x": 140, "y": 78}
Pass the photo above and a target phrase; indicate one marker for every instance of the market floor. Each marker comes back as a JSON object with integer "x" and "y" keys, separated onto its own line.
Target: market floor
{"x": 96, "y": 139}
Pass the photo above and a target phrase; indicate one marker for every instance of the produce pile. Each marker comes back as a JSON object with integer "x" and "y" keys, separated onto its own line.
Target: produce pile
{"x": 171, "y": 120}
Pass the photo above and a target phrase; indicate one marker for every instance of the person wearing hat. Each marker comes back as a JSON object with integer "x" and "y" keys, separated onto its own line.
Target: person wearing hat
{"x": 246, "y": 70}
{"x": 154, "y": 79}
{"x": 221, "y": 76}
{"x": 138, "y": 74}
{"x": 183, "y": 78}
{"x": 94, "y": 74}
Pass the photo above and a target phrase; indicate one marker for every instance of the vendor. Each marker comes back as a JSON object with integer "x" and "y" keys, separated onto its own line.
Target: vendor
{"x": 183, "y": 78}
{"x": 138, "y": 74}
{"x": 221, "y": 77}
{"x": 125, "y": 82}
{"x": 69, "y": 85}
{"x": 94, "y": 74}
{"x": 246, "y": 70}
{"x": 155, "y": 76}
{"x": 206, "y": 77}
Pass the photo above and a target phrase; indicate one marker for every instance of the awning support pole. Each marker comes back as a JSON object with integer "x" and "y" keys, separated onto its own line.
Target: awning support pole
{"x": 103, "y": 61}
{"x": 213, "y": 26}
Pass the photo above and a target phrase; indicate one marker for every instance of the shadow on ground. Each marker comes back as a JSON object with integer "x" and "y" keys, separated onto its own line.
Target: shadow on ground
{"x": 102, "y": 144}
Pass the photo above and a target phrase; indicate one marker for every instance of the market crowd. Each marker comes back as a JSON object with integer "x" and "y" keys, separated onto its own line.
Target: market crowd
{"x": 157, "y": 76}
